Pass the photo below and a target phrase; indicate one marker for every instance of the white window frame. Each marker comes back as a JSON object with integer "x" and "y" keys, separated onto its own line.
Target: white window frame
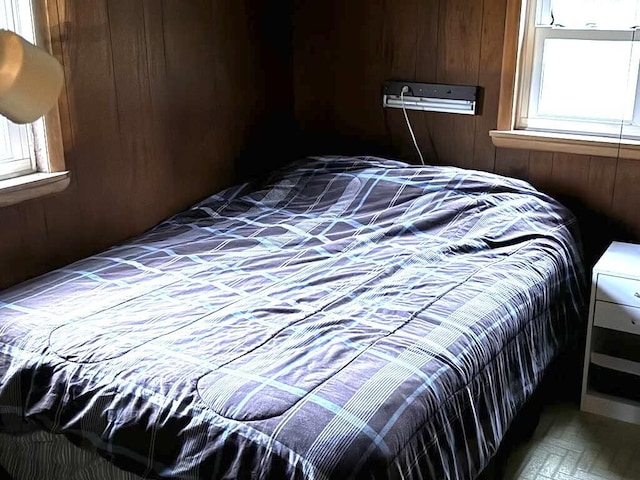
{"x": 528, "y": 88}
{"x": 15, "y": 157}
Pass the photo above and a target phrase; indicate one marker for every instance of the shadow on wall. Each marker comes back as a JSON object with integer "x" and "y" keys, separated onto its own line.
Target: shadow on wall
{"x": 597, "y": 229}
{"x": 271, "y": 144}
{"x": 332, "y": 143}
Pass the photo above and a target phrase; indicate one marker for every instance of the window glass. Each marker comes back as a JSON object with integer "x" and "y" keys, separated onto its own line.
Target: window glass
{"x": 580, "y": 76}
{"x": 589, "y": 79}
{"x": 601, "y": 14}
{"x": 17, "y": 152}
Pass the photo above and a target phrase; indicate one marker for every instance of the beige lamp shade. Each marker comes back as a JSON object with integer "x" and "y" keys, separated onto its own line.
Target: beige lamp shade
{"x": 30, "y": 79}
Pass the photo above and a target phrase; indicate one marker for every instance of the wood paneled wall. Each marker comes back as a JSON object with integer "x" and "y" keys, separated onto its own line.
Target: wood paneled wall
{"x": 344, "y": 50}
{"x": 163, "y": 100}
{"x": 167, "y": 101}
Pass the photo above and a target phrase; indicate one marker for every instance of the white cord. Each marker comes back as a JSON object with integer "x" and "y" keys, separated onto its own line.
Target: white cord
{"x": 406, "y": 117}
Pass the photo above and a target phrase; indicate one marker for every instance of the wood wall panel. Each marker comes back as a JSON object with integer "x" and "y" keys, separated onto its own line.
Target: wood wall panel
{"x": 540, "y": 168}
{"x": 459, "y": 42}
{"x": 512, "y": 163}
{"x": 456, "y": 41}
{"x": 128, "y": 32}
{"x": 426, "y": 69}
{"x": 602, "y": 177}
{"x": 626, "y": 204}
{"x": 489, "y": 73}
{"x": 163, "y": 100}
{"x": 400, "y": 35}
{"x": 313, "y": 81}
{"x": 350, "y": 113}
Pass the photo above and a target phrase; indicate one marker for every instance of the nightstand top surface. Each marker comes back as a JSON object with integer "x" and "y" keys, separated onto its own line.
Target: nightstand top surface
{"x": 620, "y": 258}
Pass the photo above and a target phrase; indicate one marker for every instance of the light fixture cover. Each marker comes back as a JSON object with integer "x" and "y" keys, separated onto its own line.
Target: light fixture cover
{"x": 30, "y": 79}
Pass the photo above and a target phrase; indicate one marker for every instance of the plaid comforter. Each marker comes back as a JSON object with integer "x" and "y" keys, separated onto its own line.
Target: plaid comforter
{"x": 346, "y": 318}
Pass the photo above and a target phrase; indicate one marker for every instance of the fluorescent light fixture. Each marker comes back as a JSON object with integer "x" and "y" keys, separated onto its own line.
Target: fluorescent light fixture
{"x": 464, "y": 107}
{"x": 431, "y": 97}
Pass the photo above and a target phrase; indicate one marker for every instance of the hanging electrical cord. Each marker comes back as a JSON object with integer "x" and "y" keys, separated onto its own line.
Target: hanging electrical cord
{"x": 405, "y": 89}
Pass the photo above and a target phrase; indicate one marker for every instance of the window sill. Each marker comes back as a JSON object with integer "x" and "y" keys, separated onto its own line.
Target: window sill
{"x": 565, "y": 143}
{"x": 26, "y": 187}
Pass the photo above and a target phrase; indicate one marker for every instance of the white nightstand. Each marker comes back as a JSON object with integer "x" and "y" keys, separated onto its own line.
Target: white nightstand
{"x": 611, "y": 378}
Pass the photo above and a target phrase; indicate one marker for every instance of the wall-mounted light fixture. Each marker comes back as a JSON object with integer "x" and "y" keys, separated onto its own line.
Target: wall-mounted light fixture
{"x": 431, "y": 97}
{"x": 30, "y": 79}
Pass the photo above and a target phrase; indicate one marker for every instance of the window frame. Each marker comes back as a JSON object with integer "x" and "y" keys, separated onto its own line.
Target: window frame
{"x": 16, "y": 150}
{"x": 515, "y": 65}
{"x": 531, "y": 81}
{"x": 50, "y": 174}
{"x": 18, "y": 155}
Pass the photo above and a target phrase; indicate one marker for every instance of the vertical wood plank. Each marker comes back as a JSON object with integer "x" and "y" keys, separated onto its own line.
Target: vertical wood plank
{"x": 141, "y": 182}
{"x": 192, "y": 80}
{"x": 598, "y": 225}
{"x": 10, "y": 237}
{"x": 160, "y": 115}
{"x": 493, "y": 17}
{"x": 357, "y": 79}
{"x": 23, "y": 225}
{"x": 575, "y": 184}
{"x": 312, "y": 45}
{"x": 428, "y": 20}
{"x": 570, "y": 185}
{"x": 626, "y": 198}
{"x": 271, "y": 39}
{"x": 540, "y": 169}
{"x": 512, "y": 163}
{"x": 459, "y": 42}
{"x": 570, "y": 174}
{"x": 401, "y": 33}
{"x": 96, "y": 159}
{"x": 427, "y": 70}
{"x": 602, "y": 178}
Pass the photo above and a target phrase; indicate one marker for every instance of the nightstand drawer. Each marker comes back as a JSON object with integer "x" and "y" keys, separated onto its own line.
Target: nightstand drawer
{"x": 617, "y": 317}
{"x": 618, "y": 290}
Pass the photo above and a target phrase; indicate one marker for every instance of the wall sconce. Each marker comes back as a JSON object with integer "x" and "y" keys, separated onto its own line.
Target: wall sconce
{"x": 30, "y": 79}
{"x": 431, "y": 97}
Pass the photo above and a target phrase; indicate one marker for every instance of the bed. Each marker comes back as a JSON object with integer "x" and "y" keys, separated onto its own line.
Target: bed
{"x": 346, "y": 317}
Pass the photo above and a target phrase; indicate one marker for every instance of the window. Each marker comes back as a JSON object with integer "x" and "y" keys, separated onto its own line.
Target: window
{"x": 15, "y": 149}
{"x": 571, "y": 71}
{"x": 17, "y": 142}
{"x": 582, "y": 70}
{"x": 31, "y": 156}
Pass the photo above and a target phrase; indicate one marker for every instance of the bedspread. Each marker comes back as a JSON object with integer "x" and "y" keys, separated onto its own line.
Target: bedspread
{"x": 344, "y": 318}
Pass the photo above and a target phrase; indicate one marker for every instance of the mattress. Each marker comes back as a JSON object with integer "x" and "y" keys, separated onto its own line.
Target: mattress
{"x": 347, "y": 317}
